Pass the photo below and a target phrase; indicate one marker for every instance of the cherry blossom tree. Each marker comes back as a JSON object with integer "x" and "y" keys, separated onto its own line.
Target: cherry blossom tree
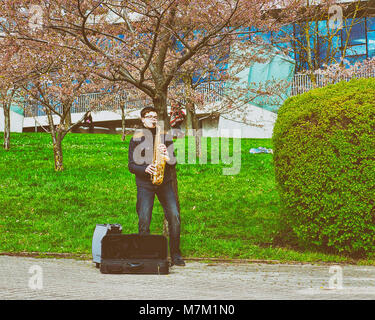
{"x": 220, "y": 69}
{"x": 9, "y": 90}
{"x": 55, "y": 79}
{"x": 344, "y": 70}
{"x": 135, "y": 40}
{"x": 7, "y": 95}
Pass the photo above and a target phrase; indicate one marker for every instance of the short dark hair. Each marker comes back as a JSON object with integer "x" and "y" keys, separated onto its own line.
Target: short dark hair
{"x": 146, "y": 110}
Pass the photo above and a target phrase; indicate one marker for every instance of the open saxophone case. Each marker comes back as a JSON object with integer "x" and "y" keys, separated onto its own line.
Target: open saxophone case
{"x": 134, "y": 254}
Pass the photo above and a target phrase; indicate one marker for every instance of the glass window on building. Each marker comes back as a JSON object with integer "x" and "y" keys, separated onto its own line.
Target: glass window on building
{"x": 354, "y": 59}
{"x": 370, "y": 22}
{"x": 283, "y": 40}
{"x": 354, "y": 31}
{"x": 243, "y": 34}
{"x": 264, "y": 36}
{"x": 329, "y": 43}
{"x": 354, "y": 39}
{"x": 371, "y": 43}
{"x": 355, "y": 42}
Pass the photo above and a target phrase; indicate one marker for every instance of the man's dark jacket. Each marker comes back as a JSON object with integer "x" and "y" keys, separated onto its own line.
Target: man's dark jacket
{"x": 141, "y": 153}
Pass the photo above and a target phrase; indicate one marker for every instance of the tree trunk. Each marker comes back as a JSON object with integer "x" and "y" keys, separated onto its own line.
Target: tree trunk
{"x": 56, "y": 135}
{"x": 57, "y": 152}
{"x": 123, "y": 127}
{"x": 198, "y": 136}
{"x": 192, "y": 122}
{"x": 309, "y": 55}
{"x": 68, "y": 117}
{"x": 160, "y": 104}
{"x": 6, "y": 126}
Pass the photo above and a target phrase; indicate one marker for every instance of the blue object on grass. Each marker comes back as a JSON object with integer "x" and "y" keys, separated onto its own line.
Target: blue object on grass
{"x": 260, "y": 150}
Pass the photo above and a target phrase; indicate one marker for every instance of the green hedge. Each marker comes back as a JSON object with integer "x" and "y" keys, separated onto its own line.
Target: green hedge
{"x": 324, "y": 153}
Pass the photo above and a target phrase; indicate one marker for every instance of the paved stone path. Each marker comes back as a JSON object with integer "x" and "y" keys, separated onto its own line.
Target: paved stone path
{"x": 69, "y": 279}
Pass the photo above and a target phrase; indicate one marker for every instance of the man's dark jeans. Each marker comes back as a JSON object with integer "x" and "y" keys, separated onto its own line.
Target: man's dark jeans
{"x": 167, "y": 198}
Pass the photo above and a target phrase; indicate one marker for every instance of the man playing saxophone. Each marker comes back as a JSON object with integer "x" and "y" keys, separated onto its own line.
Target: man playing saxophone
{"x": 152, "y": 162}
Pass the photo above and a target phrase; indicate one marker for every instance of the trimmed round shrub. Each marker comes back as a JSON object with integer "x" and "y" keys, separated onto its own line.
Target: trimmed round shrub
{"x": 324, "y": 154}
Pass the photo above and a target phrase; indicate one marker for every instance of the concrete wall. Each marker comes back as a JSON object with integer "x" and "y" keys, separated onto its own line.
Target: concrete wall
{"x": 259, "y": 121}
{"x": 16, "y": 121}
{"x": 259, "y": 124}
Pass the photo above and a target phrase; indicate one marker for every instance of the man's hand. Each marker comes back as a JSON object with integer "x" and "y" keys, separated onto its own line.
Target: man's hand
{"x": 151, "y": 169}
{"x": 163, "y": 149}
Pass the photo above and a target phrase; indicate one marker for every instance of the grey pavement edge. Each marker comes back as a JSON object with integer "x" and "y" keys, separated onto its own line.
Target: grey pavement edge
{"x": 25, "y": 278}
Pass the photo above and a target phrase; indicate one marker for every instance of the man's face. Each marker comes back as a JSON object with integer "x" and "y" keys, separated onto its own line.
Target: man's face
{"x": 150, "y": 119}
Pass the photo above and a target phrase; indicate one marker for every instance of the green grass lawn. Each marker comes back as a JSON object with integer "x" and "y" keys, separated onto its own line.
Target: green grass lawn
{"x": 222, "y": 216}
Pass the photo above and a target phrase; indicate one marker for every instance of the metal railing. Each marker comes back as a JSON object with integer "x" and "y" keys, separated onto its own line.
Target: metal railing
{"x": 114, "y": 102}
{"x": 302, "y": 82}
{"x": 211, "y": 92}
{"x": 85, "y": 102}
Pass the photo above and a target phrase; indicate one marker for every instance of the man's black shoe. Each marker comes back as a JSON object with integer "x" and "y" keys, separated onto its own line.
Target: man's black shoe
{"x": 178, "y": 261}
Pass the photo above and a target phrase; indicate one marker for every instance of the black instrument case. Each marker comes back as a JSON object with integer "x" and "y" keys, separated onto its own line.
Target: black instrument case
{"x": 134, "y": 254}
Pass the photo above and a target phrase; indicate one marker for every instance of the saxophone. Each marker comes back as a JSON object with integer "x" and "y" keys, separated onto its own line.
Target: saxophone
{"x": 158, "y": 160}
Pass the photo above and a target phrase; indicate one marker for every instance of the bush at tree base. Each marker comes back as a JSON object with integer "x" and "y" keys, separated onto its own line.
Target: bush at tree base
{"x": 324, "y": 155}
